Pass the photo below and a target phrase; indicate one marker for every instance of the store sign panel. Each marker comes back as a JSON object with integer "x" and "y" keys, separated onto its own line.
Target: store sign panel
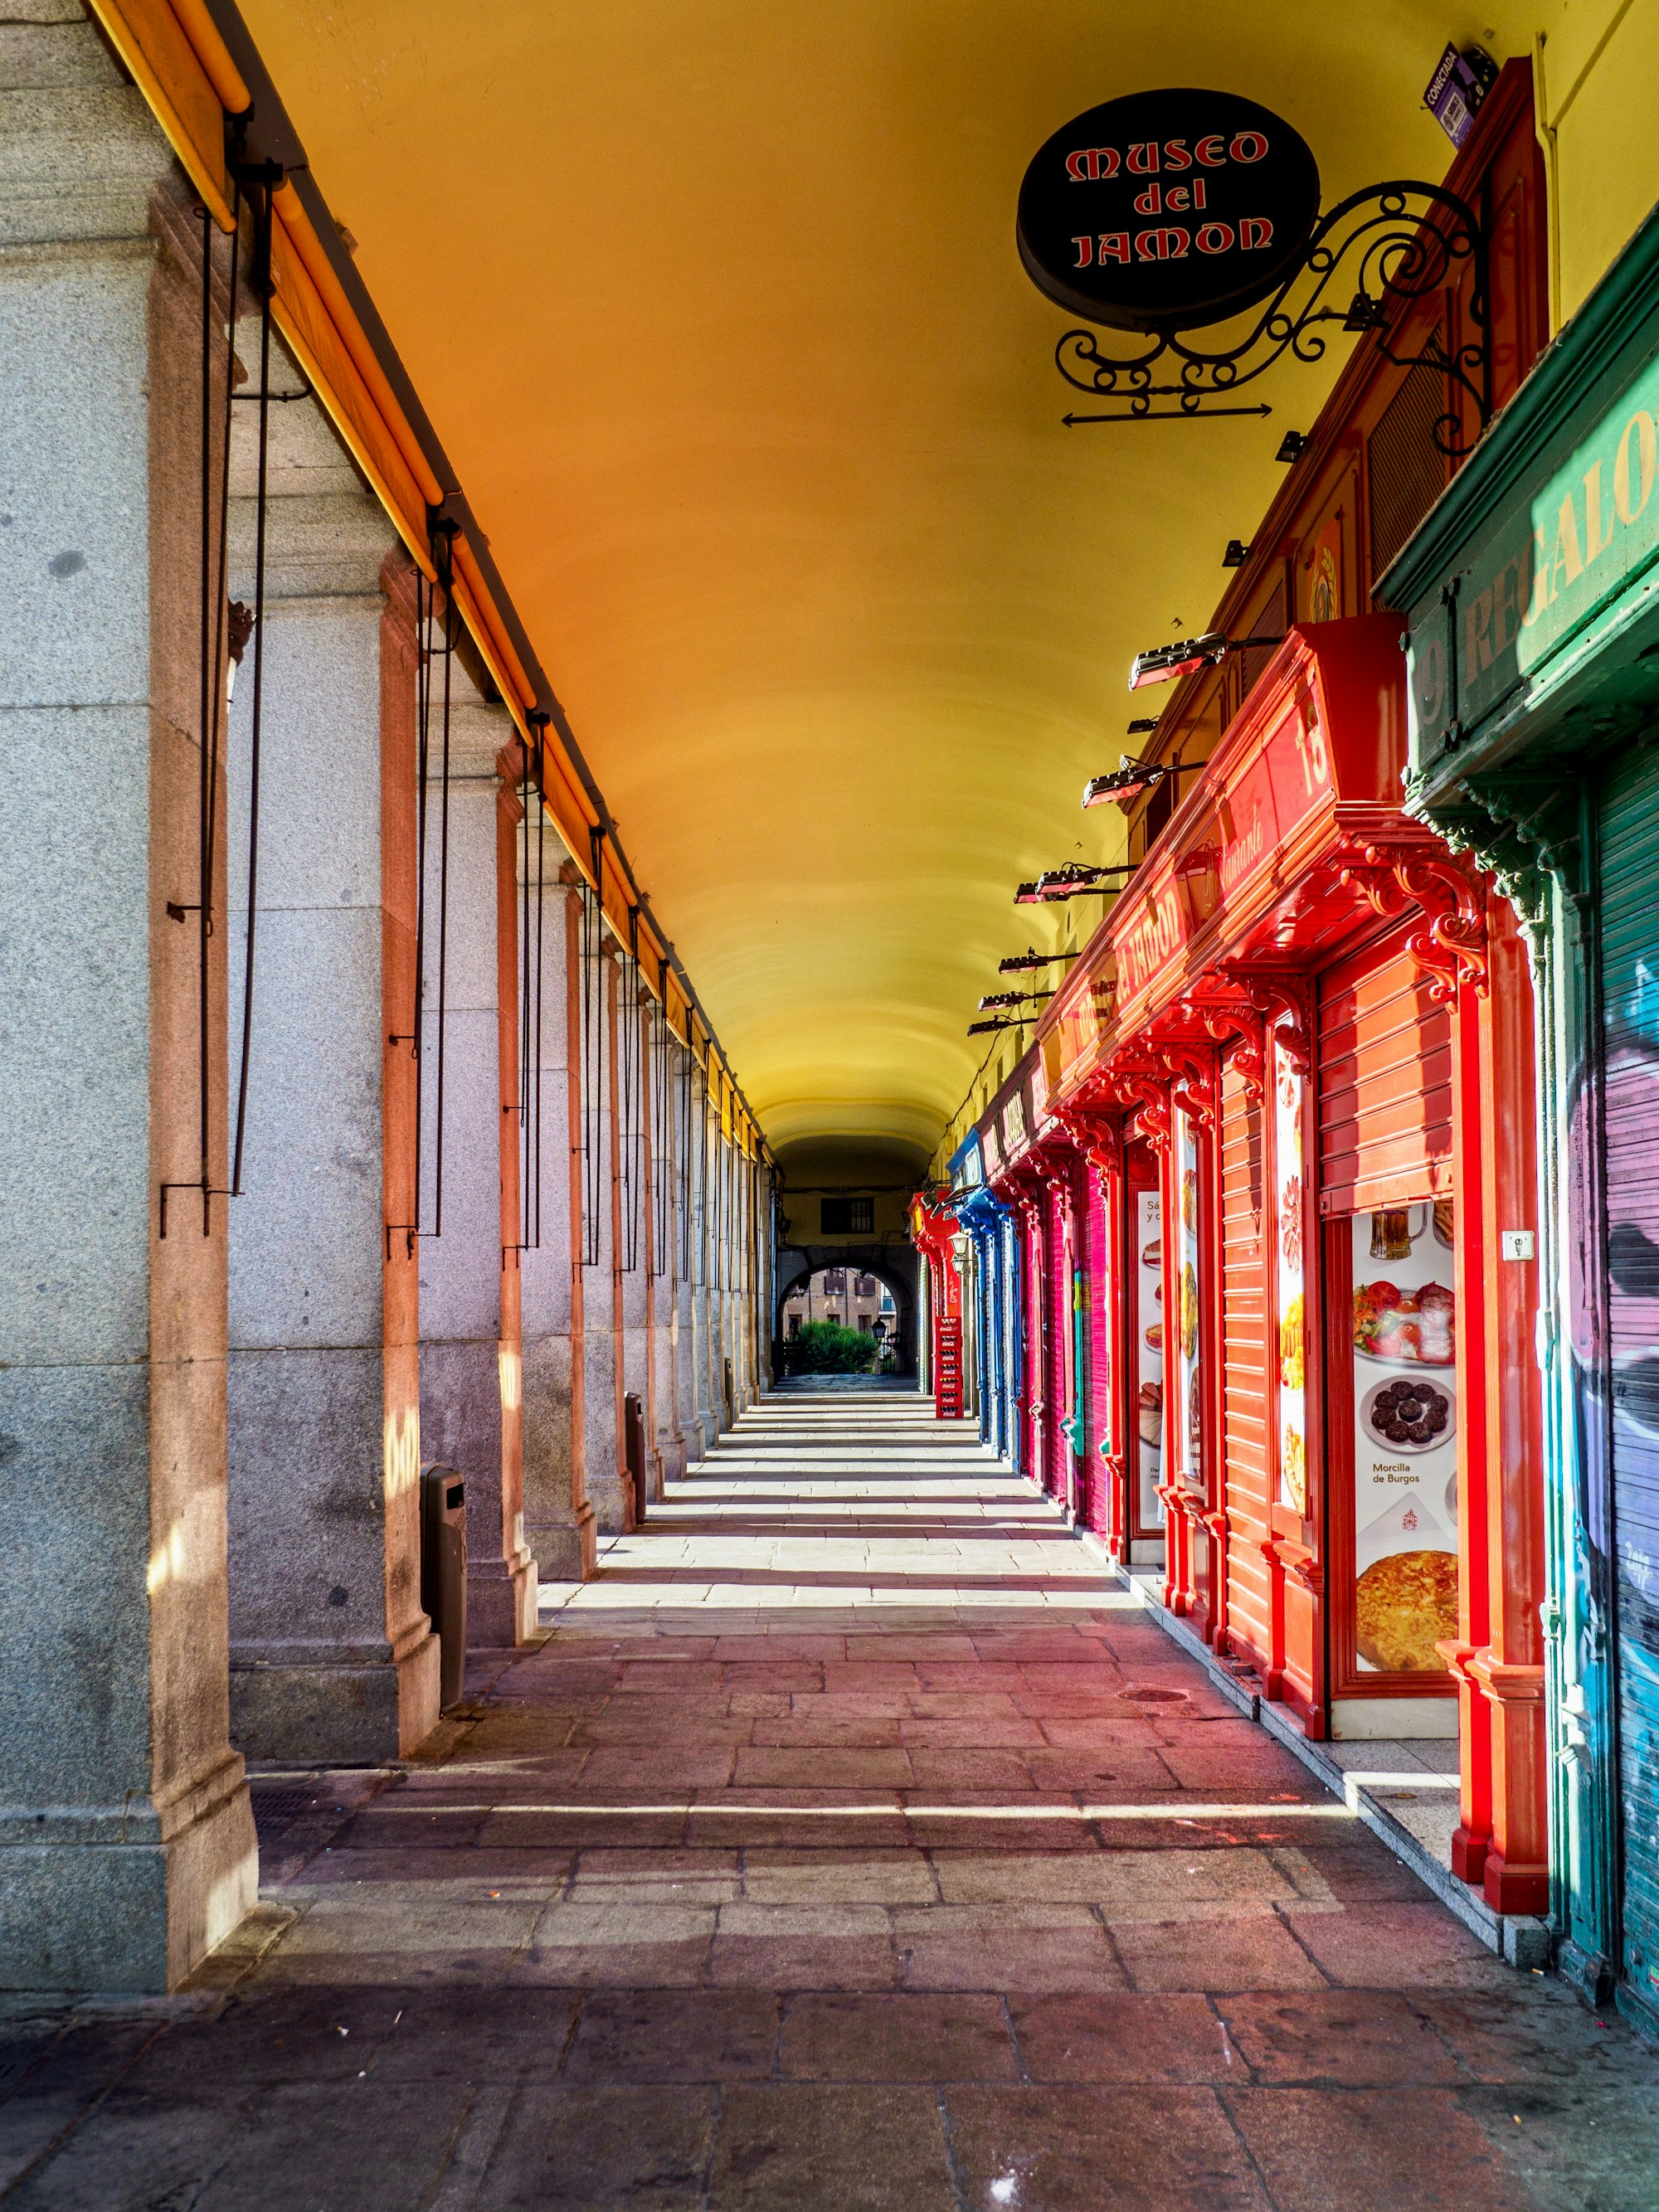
{"x": 1562, "y": 550}
{"x": 1233, "y": 845}
{"x": 1080, "y": 1021}
{"x": 1167, "y": 210}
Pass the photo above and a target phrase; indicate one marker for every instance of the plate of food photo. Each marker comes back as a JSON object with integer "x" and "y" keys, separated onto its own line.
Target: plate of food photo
{"x": 1405, "y": 1327}
{"x": 1408, "y": 1413}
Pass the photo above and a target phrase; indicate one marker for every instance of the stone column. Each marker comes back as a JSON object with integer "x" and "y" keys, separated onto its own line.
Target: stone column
{"x": 636, "y": 1298}
{"x": 559, "y": 1525}
{"x": 596, "y": 1228}
{"x": 470, "y": 1358}
{"x": 332, "y": 1657}
{"x": 681, "y": 1408}
{"x": 705, "y": 1308}
{"x": 126, "y": 1844}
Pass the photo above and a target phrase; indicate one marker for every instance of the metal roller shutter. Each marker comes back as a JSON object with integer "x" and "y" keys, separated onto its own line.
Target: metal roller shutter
{"x": 1630, "y": 1009}
{"x": 1385, "y": 1083}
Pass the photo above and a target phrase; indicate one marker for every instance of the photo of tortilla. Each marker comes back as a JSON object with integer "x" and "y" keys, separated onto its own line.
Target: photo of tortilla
{"x": 1403, "y": 1605}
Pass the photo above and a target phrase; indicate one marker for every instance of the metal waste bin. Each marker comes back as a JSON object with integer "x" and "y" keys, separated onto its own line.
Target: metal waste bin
{"x": 443, "y": 1573}
{"x": 634, "y": 1451}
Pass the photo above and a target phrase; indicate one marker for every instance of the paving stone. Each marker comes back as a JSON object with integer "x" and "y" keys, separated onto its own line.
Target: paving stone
{"x": 1077, "y": 2150}
{"x": 1244, "y": 1951}
{"x": 1375, "y": 2150}
{"x": 1399, "y": 1946}
{"x": 1116, "y": 2035}
{"x": 675, "y": 2035}
{"x": 601, "y": 2149}
{"x": 1360, "y": 2038}
{"x": 807, "y": 2147}
{"x": 896, "y": 2036}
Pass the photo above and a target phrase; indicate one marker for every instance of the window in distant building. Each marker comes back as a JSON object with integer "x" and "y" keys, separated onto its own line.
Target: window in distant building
{"x": 847, "y": 1217}
{"x": 794, "y": 1324}
{"x": 864, "y": 1324}
{"x": 866, "y": 1286}
{"x": 834, "y": 1281}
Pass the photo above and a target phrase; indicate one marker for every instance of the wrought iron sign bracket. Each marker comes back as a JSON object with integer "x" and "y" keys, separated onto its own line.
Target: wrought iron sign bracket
{"x": 1399, "y": 242}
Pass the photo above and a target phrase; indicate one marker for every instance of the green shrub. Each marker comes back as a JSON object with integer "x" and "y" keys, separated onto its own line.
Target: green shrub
{"x": 824, "y": 1347}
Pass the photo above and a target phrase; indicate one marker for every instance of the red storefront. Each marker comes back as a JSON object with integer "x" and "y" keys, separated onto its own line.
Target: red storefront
{"x": 933, "y": 1230}
{"x": 1298, "y": 1057}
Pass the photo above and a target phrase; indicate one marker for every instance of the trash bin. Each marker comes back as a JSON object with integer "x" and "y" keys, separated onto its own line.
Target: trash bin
{"x": 634, "y": 1451}
{"x": 443, "y": 1573}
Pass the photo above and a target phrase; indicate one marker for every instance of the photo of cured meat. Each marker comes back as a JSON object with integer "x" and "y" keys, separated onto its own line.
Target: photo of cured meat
{"x": 1402, "y": 1326}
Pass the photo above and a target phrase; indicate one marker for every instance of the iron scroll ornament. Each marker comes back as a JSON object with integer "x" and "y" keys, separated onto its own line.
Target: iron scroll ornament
{"x": 1402, "y": 241}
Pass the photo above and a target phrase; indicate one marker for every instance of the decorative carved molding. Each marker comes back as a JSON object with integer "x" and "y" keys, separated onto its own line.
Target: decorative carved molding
{"x": 1281, "y": 1001}
{"x": 1192, "y": 1072}
{"x": 1521, "y": 826}
{"x": 1225, "y": 1008}
{"x": 1451, "y": 946}
{"x": 1141, "y": 1083}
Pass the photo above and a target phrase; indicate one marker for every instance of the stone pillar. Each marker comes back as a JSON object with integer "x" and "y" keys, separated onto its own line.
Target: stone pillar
{"x": 470, "y": 1357}
{"x": 559, "y": 1525}
{"x": 636, "y": 1298}
{"x": 706, "y": 1307}
{"x": 332, "y": 1659}
{"x": 126, "y": 1844}
{"x": 597, "y": 1226}
{"x": 681, "y": 1408}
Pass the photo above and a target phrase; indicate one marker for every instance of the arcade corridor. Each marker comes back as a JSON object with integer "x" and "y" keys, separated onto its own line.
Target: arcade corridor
{"x": 852, "y": 1841}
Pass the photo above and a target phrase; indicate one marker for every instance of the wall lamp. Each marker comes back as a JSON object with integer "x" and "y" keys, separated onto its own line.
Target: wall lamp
{"x": 1132, "y": 775}
{"x": 1017, "y": 962}
{"x": 996, "y": 999}
{"x": 1161, "y": 663}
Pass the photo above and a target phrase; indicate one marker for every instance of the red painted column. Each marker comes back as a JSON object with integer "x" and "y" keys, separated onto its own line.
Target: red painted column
{"x": 1502, "y": 1840}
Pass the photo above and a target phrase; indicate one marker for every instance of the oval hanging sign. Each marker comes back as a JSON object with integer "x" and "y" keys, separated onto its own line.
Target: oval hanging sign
{"x": 1167, "y": 210}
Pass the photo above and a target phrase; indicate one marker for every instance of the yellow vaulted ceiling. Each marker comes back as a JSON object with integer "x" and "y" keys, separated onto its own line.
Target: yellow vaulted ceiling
{"x": 716, "y": 308}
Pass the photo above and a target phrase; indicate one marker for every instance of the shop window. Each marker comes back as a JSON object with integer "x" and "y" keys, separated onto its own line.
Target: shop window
{"x": 1407, "y": 469}
{"x": 847, "y": 1217}
{"x": 1404, "y": 1411}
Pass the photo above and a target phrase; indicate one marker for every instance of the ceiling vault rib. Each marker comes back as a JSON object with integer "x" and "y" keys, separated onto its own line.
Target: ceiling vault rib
{"x": 198, "y": 66}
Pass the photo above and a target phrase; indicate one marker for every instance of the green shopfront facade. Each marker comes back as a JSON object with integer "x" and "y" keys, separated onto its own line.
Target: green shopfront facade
{"x": 1533, "y": 598}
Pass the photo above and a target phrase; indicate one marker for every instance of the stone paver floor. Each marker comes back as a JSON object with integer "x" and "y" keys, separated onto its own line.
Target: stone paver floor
{"x": 852, "y": 1842}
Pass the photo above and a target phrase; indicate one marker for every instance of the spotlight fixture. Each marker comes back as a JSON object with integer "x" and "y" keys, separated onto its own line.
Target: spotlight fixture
{"x": 1055, "y": 884}
{"x": 984, "y": 1028}
{"x": 1236, "y": 555}
{"x": 1292, "y": 447}
{"x": 1131, "y": 775}
{"x": 1143, "y": 726}
{"x": 998, "y": 999}
{"x": 1017, "y": 962}
{"x": 1161, "y": 663}
{"x": 1363, "y": 314}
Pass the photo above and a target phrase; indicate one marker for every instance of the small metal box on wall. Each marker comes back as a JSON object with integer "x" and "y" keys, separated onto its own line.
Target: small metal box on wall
{"x": 443, "y": 1573}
